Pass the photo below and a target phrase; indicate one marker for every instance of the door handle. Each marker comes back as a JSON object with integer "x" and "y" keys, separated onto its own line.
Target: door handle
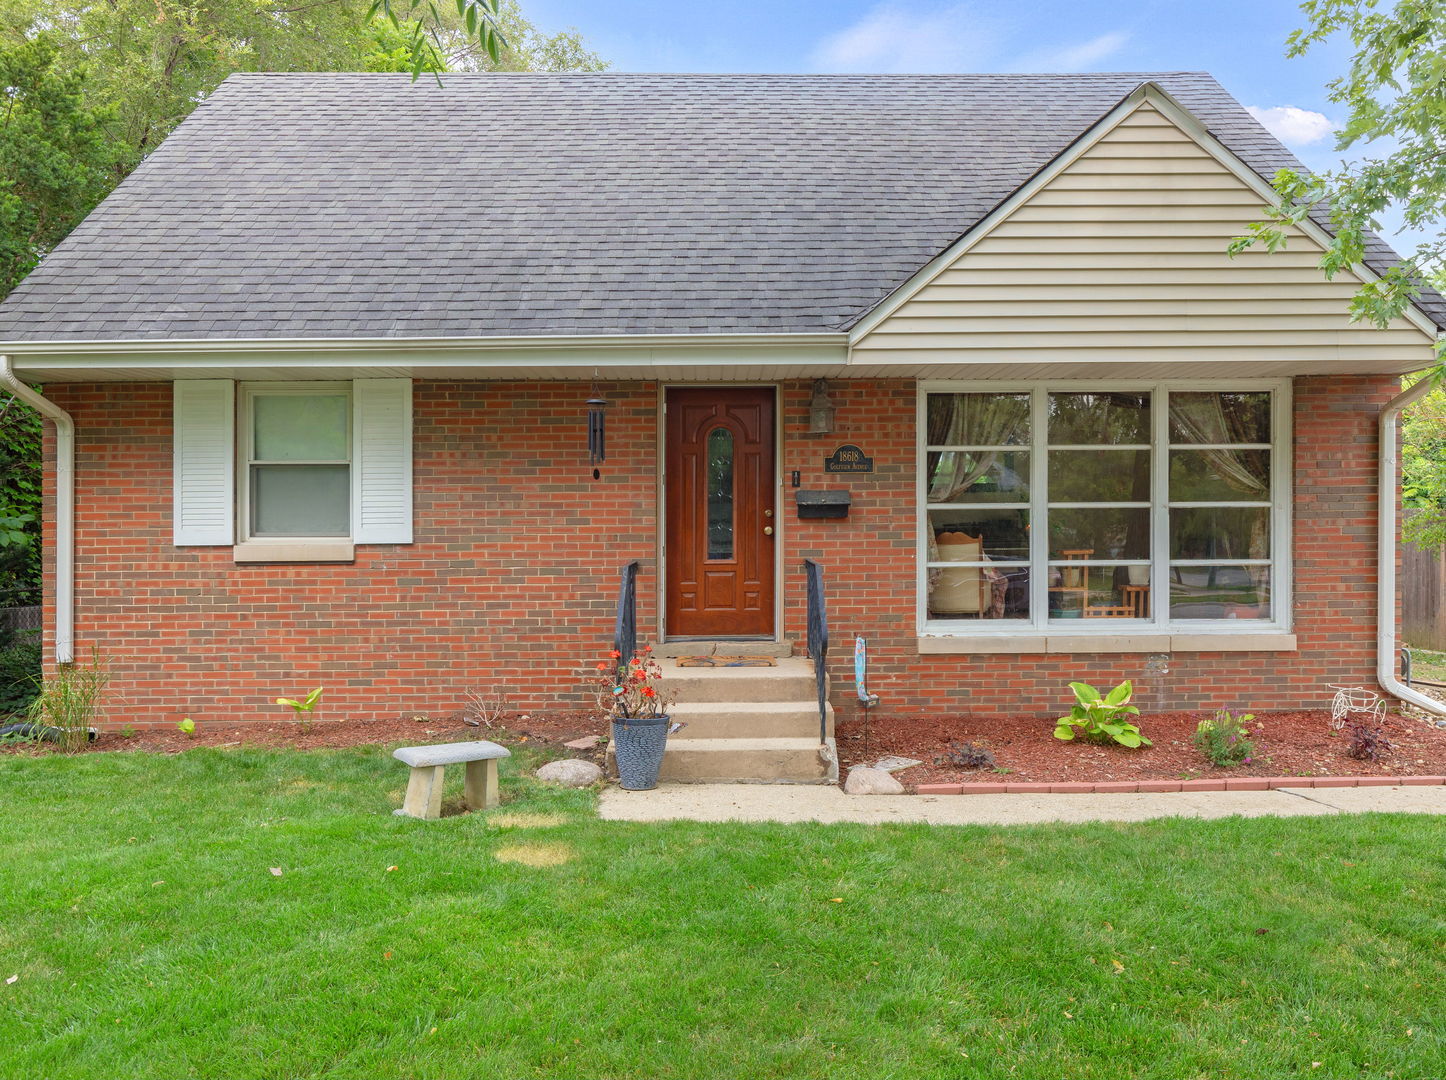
{"x": 768, "y": 530}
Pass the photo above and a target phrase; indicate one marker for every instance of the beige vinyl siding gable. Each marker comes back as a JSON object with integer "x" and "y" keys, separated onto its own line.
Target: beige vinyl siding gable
{"x": 1122, "y": 256}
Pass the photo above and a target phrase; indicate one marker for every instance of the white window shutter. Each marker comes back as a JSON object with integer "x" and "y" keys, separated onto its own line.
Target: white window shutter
{"x": 382, "y": 461}
{"x": 204, "y": 447}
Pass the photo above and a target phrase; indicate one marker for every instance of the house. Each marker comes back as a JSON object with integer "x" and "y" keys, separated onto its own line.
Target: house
{"x": 972, "y": 343}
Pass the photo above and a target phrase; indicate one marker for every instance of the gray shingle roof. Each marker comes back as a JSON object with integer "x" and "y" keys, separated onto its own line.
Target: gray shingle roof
{"x": 360, "y": 205}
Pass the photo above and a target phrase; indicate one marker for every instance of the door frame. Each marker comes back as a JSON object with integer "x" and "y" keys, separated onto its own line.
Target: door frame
{"x": 661, "y": 495}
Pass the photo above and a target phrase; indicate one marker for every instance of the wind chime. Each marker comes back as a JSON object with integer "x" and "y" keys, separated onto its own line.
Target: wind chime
{"x": 597, "y": 448}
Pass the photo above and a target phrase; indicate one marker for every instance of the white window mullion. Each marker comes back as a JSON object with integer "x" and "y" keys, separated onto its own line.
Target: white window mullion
{"x": 1038, "y": 510}
{"x": 1160, "y": 515}
{"x": 1282, "y": 560}
{"x": 921, "y": 503}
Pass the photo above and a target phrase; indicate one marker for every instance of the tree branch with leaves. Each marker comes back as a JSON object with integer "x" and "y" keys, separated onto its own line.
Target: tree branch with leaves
{"x": 1394, "y": 94}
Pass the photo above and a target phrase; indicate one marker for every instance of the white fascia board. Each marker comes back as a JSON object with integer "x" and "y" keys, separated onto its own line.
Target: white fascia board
{"x": 1161, "y": 99}
{"x": 118, "y": 346}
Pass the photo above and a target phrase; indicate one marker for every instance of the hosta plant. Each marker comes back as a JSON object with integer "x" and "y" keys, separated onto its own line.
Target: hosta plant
{"x": 1101, "y": 718}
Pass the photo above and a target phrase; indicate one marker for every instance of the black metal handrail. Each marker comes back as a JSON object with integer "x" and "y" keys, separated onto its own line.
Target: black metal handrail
{"x": 625, "y": 630}
{"x": 818, "y": 641}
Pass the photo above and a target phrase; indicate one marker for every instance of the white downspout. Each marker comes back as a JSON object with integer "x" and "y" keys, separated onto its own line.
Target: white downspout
{"x": 1386, "y": 554}
{"x": 64, "y": 509}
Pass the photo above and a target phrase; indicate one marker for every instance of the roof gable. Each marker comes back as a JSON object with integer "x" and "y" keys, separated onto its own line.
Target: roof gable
{"x": 1120, "y": 244}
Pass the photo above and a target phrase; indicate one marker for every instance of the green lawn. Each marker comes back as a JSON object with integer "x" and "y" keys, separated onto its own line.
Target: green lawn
{"x": 1426, "y": 664}
{"x": 152, "y": 940}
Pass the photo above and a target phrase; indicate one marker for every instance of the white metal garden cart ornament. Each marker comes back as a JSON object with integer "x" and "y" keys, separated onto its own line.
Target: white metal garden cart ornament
{"x": 1355, "y": 699}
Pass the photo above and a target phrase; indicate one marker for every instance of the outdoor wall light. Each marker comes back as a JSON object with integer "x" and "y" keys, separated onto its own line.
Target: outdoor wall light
{"x": 820, "y": 409}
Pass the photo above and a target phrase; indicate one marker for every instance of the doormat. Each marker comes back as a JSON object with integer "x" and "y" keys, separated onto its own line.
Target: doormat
{"x": 726, "y": 661}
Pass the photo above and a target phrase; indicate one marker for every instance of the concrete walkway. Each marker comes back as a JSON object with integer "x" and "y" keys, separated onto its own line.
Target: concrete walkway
{"x": 790, "y": 803}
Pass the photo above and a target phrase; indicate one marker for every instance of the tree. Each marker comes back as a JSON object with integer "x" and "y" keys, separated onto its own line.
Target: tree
{"x": 1394, "y": 92}
{"x": 55, "y": 158}
{"x": 19, "y": 505}
{"x": 153, "y": 60}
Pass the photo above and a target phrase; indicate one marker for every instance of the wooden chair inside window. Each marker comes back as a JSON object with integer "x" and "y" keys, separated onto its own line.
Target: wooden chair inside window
{"x": 960, "y": 590}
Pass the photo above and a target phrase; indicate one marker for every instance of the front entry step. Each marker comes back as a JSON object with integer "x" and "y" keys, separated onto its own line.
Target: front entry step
{"x": 791, "y": 679}
{"x": 751, "y": 720}
{"x": 723, "y": 648}
{"x": 749, "y": 761}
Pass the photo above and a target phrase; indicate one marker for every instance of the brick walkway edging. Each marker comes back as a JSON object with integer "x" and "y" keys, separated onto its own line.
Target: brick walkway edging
{"x": 1244, "y": 783}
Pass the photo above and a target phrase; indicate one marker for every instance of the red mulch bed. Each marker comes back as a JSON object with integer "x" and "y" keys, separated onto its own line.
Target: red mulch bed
{"x": 335, "y": 734}
{"x": 1287, "y": 744}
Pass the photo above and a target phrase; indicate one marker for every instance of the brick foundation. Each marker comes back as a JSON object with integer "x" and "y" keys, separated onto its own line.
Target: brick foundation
{"x": 512, "y": 580}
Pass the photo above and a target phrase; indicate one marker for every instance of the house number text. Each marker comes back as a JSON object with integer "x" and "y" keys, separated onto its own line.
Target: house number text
{"x": 848, "y": 458}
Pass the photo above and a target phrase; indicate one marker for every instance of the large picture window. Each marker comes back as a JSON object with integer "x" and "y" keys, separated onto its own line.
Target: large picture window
{"x": 1126, "y": 508}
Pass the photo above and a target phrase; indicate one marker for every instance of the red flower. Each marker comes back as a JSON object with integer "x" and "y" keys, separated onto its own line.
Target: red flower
{"x": 602, "y": 667}
{"x": 615, "y": 654}
{"x": 648, "y": 691}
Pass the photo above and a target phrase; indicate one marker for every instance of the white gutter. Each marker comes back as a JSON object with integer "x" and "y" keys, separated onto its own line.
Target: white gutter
{"x": 398, "y": 344}
{"x": 1386, "y": 554}
{"x": 64, "y": 509}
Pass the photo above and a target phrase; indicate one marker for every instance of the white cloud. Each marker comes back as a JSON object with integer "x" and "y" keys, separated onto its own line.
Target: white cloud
{"x": 1292, "y": 126}
{"x": 1079, "y": 57}
{"x": 892, "y": 38}
{"x": 895, "y": 37}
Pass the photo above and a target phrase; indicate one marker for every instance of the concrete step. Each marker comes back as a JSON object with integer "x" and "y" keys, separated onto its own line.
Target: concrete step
{"x": 791, "y": 680}
{"x": 719, "y": 648}
{"x": 750, "y": 720}
{"x": 723, "y": 648}
{"x": 758, "y": 761}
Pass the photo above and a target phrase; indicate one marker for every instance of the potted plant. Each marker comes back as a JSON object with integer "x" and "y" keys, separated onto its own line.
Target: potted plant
{"x": 629, "y": 693}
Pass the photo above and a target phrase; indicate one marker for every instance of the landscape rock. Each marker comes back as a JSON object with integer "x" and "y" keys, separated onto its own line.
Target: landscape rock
{"x": 570, "y": 772}
{"x": 894, "y": 764}
{"x": 865, "y": 781}
{"x": 587, "y": 742}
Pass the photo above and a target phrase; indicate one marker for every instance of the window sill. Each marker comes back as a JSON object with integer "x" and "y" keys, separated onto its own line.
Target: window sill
{"x": 294, "y": 551}
{"x": 1264, "y": 641}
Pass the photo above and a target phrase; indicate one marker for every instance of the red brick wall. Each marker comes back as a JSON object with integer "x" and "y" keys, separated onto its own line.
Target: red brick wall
{"x": 513, "y": 578}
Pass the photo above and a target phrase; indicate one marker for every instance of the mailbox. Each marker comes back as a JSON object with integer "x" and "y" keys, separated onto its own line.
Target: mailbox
{"x": 823, "y": 504}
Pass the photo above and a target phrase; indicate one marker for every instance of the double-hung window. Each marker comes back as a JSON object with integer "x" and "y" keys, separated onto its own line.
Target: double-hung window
{"x": 1124, "y": 508}
{"x": 297, "y": 453}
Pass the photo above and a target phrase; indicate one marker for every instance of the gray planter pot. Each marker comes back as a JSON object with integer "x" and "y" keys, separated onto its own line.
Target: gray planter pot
{"x": 638, "y": 746}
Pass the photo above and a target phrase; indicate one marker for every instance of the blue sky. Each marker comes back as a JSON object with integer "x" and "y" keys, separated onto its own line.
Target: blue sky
{"x": 1241, "y": 43}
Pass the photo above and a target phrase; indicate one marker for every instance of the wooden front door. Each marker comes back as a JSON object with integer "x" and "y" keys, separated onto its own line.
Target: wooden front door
{"x": 719, "y": 509}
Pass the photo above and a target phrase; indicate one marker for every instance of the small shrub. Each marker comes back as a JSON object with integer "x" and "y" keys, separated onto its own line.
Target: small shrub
{"x": 128, "y": 732}
{"x": 68, "y": 701}
{"x": 186, "y": 726}
{"x": 19, "y": 670}
{"x": 967, "y": 756}
{"x": 1102, "y": 718}
{"x": 1225, "y": 739}
{"x": 1368, "y": 743}
{"x": 484, "y": 709}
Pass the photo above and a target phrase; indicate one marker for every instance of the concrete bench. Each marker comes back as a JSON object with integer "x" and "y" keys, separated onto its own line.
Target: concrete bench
{"x": 424, "y": 789}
